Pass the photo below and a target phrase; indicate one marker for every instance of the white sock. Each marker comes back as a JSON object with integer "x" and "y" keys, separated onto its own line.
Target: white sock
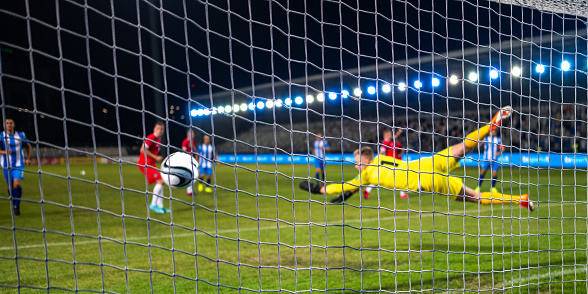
{"x": 190, "y": 189}
{"x": 368, "y": 188}
{"x": 402, "y": 193}
{"x": 157, "y": 195}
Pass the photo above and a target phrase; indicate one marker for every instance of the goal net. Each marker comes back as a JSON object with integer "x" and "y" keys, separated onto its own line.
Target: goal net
{"x": 285, "y": 92}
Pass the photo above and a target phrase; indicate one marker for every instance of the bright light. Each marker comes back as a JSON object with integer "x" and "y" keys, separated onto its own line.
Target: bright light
{"x": 418, "y": 84}
{"x": 493, "y": 74}
{"x": 206, "y": 112}
{"x": 260, "y": 105}
{"x": 371, "y": 90}
{"x": 235, "y": 108}
{"x": 200, "y": 112}
{"x": 344, "y": 94}
{"x": 298, "y": 100}
{"x": 221, "y": 109}
{"x": 269, "y": 104}
{"x": 401, "y": 86}
{"x": 214, "y": 110}
{"x": 473, "y": 77}
{"x": 357, "y": 92}
{"x": 243, "y": 107}
{"x": 435, "y": 82}
{"x": 251, "y": 106}
{"x": 386, "y": 88}
{"x": 453, "y": 80}
{"x": 288, "y": 101}
{"x": 309, "y": 99}
{"x": 193, "y": 112}
{"x": 540, "y": 68}
{"x": 228, "y": 108}
{"x": 320, "y": 97}
{"x": 565, "y": 66}
{"x": 516, "y": 71}
{"x": 332, "y": 96}
{"x": 279, "y": 103}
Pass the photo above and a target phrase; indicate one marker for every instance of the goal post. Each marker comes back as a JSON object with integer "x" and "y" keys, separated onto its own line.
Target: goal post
{"x": 285, "y": 92}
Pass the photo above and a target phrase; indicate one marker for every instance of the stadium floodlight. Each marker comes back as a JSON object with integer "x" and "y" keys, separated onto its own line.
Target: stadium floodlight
{"x": 309, "y": 99}
{"x": 260, "y": 105}
{"x": 200, "y": 112}
{"x": 269, "y": 104}
{"x": 288, "y": 101}
{"x": 371, "y": 90}
{"x": 418, "y": 84}
{"x": 221, "y": 109}
{"x": 493, "y": 74}
{"x": 228, "y": 108}
{"x": 320, "y": 97}
{"x": 298, "y": 100}
{"x": 565, "y": 65}
{"x": 386, "y": 88}
{"x": 344, "y": 94}
{"x": 251, "y": 106}
{"x": 357, "y": 92}
{"x": 473, "y": 77}
{"x": 435, "y": 82}
{"x": 540, "y": 68}
{"x": 401, "y": 86}
{"x": 332, "y": 96}
{"x": 453, "y": 80}
{"x": 235, "y": 108}
{"x": 206, "y": 112}
{"x": 279, "y": 103}
{"x": 243, "y": 107}
{"x": 516, "y": 71}
{"x": 193, "y": 112}
{"x": 214, "y": 111}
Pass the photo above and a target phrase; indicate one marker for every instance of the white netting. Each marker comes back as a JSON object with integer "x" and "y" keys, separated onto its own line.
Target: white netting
{"x": 268, "y": 82}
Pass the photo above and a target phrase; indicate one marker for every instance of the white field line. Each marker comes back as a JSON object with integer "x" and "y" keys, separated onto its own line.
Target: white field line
{"x": 355, "y": 220}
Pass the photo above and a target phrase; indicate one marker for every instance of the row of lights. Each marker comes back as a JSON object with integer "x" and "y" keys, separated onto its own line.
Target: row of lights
{"x": 386, "y": 88}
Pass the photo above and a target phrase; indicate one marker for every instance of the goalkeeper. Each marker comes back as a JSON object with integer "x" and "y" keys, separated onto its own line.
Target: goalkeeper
{"x": 427, "y": 174}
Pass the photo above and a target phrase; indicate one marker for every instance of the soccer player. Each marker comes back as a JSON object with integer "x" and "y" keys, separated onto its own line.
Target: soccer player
{"x": 206, "y": 155}
{"x": 13, "y": 160}
{"x": 320, "y": 147}
{"x": 149, "y": 155}
{"x": 429, "y": 174}
{"x": 188, "y": 146}
{"x": 492, "y": 149}
{"x": 390, "y": 147}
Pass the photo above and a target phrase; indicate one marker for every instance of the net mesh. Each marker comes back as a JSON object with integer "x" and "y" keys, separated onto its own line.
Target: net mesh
{"x": 270, "y": 82}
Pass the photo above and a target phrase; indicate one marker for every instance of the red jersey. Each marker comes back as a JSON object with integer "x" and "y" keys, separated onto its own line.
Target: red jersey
{"x": 187, "y": 146}
{"x": 153, "y": 144}
{"x": 391, "y": 149}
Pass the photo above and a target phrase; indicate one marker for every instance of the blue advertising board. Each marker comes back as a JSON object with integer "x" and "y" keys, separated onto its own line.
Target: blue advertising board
{"x": 531, "y": 159}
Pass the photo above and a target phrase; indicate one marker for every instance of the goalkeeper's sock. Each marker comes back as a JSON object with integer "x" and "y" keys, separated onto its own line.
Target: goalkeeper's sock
{"x": 488, "y": 198}
{"x": 481, "y": 181}
{"x": 476, "y": 136}
{"x": 17, "y": 193}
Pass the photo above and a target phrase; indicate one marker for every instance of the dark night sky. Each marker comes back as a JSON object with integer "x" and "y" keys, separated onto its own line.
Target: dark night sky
{"x": 108, "y": 57}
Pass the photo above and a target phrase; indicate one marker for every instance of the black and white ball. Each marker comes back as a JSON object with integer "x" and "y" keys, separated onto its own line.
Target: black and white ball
{"x": 179, "y": 170}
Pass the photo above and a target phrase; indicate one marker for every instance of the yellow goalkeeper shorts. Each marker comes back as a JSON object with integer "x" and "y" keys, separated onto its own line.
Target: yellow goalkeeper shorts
{"x": 433, "y": 174}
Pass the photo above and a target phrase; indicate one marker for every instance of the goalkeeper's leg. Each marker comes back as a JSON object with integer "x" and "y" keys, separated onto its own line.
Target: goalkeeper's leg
{"x": 472, "y": 139}
{"x": 486, "y": 198}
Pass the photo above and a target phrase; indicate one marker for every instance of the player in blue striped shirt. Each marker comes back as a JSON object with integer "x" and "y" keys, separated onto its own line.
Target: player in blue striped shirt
{"x": 13, "y": 160}
{"x": 320, "y": 147}
{"x": 492, "y": 149}
{"x": 206, "y": 156}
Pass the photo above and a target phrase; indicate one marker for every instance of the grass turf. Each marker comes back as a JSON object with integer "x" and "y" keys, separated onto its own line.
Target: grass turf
{"x": 260, "y": 232}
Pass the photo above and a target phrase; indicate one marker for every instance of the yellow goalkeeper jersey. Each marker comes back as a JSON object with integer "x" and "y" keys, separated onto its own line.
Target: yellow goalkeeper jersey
{"x": 425, "y": 174}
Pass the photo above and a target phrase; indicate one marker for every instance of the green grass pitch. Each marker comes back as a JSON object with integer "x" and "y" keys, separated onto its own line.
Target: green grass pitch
{"x": 260, "y": 232}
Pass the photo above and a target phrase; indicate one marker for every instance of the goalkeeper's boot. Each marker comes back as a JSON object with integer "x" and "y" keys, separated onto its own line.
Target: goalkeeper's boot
{"x": 200, "y": 187}
{"x": 156, "y": 209}
{"x": 477, "y": 189}
{"x": 500, "y": 116}
{"x": 526, "y": 203}
{"x": 403, "y": 195}
{"x": 495, "y": 191}
{"x": 366, "y": 194}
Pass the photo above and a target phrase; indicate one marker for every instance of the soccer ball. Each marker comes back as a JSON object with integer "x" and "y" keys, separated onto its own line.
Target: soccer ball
{"x": 179, "y": 170}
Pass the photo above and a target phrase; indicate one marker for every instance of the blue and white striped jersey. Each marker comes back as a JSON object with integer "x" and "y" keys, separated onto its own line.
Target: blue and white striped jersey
{"x": 207, "y": 155}
{"x": 319, "y": 148}
{"x": 15, "y": 143}
{"x": 491, "y": 147}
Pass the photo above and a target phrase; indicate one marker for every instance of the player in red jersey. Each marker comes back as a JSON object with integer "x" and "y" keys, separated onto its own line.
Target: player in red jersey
{"x": 189, "y": 146}
{"x": 149, "y": 155}
{"x": 390, "y": 147}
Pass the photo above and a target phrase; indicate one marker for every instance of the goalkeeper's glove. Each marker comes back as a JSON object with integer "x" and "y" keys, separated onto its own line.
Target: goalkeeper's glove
{"x": 311, "y": 187}
{"x": 342, "y": 197}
